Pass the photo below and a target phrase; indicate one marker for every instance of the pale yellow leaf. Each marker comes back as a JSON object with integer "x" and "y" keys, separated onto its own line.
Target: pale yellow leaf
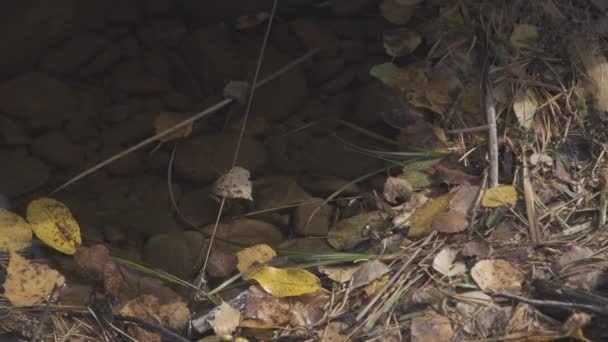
{"x": 444, "y": 263}
{"x": 166, "y": 120}
{"x": 226, "y": 320}
{"x": 234, "y": 184}
{"x": 15, "y": 232}
{"x": 340, "y": 274}
{"x": 251, "y": 256}
{"x": 497, "y": 275}
{"x": 504, "y": 195}
{"x": 28, "y": 283}
{"x": 525, "y": 105}
{"x": 53, "y": 223}
{"x": 286, "y": 282}
{"x": 422, "y": 219}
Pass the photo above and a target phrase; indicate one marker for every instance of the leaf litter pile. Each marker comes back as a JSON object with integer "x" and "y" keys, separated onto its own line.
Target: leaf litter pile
{"x": 490, "y": 224}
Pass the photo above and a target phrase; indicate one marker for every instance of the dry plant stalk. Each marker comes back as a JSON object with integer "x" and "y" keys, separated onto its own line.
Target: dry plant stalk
{"x": 529, "y": 197}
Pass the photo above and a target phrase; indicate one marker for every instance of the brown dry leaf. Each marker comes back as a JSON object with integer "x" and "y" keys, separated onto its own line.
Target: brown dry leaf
{"x": 397, "y": 190}
{"x": 28, "y": 283}
{"x": 525, "y": 105}
{"x": 523, "y": 35}
{"x": 590, "y": 58}
{"x": 307, "y": 311}
{"x": 113, "y": 279}
{"x": 450, "y": 222}
{"x": 53, "y": 223}
{"x": 422, "y": 218}
{"x": 504, "y": 195}
{"x": 340, "y": 274}
{"x": 464, "y": 199}
{"x": 573, "y": 254}
{"x": 286, "y": 282}
{"x": 444, "y": 263}
{"x": 254, "y": 255}
{"x": 90, "y": 261}
{"x": 497, "y": 275}
{"x": 166, "y": 120}
{"x": 263, "y": 311}
{"x": 15, "y": 232}
{"x": 372, "y": 288}
{"x": 431, "y": 327}
{"x": 453, "y": 174}
{"x": 368, "y": 272}
{"x": 234, "y": 184}
{"x": 333, "y": 332}
{"x": 226, "y": 320}
{"x": 479, "y": 314}
{"x": 143, "y": 307}
{"x": 478, "y": 249}
{"x": 174, "y": 315}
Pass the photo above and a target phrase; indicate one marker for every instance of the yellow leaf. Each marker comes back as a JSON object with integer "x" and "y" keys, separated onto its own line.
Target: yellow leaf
{"x": 257, "y": 254}
{"x": 166, "y": 120}
{"x": 15, "y": 232}
{"x": 286, "y": 282}
{"x": 422, "y": 218}
{"x": 499, "y": 196}
{"x": 28, "y": 283}
{"x": 226, "y": 320}
{"x": 53, "y": 223}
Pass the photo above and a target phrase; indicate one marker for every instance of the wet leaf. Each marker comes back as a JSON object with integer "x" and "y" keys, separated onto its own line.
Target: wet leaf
{"x": 504, "y": 195}
{"x": 397, "y": 190}
{"x": 174, "y": 315}
{"x": 251, "y": 256}
{"x": 262, "y": 310}
{"x": 166, "y": 120}
{"x": 286, "y": 282}
{"x": 401, "y": 41}
{"x": 478, "y": 249}
{"x": 523, "y": 34}
{"x": 444, "y": 263}
{"x": 28, "y": 283}
{"x": 340, "y": 274}
{"x": 525, "y": 105}
{"x": 497, "y": 275}
{"x": 450, "y": 222}
{"x": 53, "y": 223}
{"x": 368, "y": 272}
{"x": 423, "y": 217}
{"x": 234, "y": 184}
{"x": 384, "y": 72}
{"x": 15, "y": 232}
{"x": 226, "y": 320}
{"x": 431, "y": 327}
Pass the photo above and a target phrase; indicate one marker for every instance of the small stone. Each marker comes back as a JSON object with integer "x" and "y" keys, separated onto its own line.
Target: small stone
{"x": 114, "y": 235}
{"x": 121, "y": 112}
{"x": 55, "y": 148}
{"x": 256, "y": 126}
{"x": 277, "y": 192}
{"x": 125, "y": 13}
{"x": 124, "y": 166}
{"x": 220, "y": 263}
{"x": 314, "y": 35}
{"x": 158, "y": 7}
{"x": 142, "y": 85}
{"x": 175, "y": 253}
{"x": 149, "y": 220}
{"x": 177, "y": 101}
{"x": 129, "y": 131}
{"x": 351, "y": 7}
{"x": 21, "y": 173}
{"x": 339, "y": 82}
{"x": 13, "y": 133}
{"x": 245, "y": 231}
{"x": 157, "y": 65}
{"x": 167, "y": 31}
{"x": 198, "y": 207}
{"x": 108, "y": 57}
{"x": 320, "y": 221}
{"x": 72, "y": 54}
{"x": 322, "y": 69}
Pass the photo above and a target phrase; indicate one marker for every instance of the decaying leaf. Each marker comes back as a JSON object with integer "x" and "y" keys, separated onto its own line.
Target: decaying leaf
{"x": 478, "y": 249}
{"x": 15, "y": 232}
{"x": 308, "y": 310}
{"x": 251, "y": 256}
{"x": 573, "y": 254}
{"x": 416, "y": 172}
{"x": 497, "y": 275}
{"x": 262, "y": 310}
{"x": 423, "y": 217}
{"x": 464, "y": 199}
{"x": 431, "y": 327}
{"x": 525, "y": 105}
{"x": 479, "y": 314}
{"x": 401, "y": 41}
{"x": 166, "y": 120}
{"x": 397, "y": 190}
{"x": 372, "y": 288}
{"x": 368, "y": 272}
{"x": 504, "y": 195}
{"x": 335, "y": 332}
{"x": 351, "y": 231}
{"x": 523, "y": 34}
{"x": 53, "y": 223}
{"x": 174, "y": 315}
{"x": 340, "y": 274}
{"x": 29, "y": 283}
{"x": 450, "y": 222}
{"x": 541, "y": 158}
{"x": 226, "y": 320}
{"x": 286, "y": 282}
{"x": 234, "y": 184}
{"x": 444, "y": 263}
{"x": 453, "y": 174}
{"x": 590, "y": 58}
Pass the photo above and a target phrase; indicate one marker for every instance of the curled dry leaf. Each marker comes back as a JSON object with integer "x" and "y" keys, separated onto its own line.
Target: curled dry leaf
{"x": 431, "y": 327}
{"x": 397, "y": 190}
{"x": 525, "y": 105}
{"x": 251, "y": 256}
{"x": 504, "y": 195}
{"x": 15, "y": 232}
{"x": 28, "y": 283}
{"x": 226, "y": 320}
{"x": 444, "y": 263}
{"x": 450, "y": 222}
{"x": 286, "y": 282}
{"x": 497, "y": 275}
{"x": 53, "y": 223}
{"x": 234, "y": 184}
{"x": 165, "y": 120}
{"x": 368, "y": 272}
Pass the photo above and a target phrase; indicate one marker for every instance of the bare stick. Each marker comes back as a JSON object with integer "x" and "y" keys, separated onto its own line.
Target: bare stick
{"x": 530, "y": 197}
{"x": 487, "y": 106}
{"x": 600, "y": 310}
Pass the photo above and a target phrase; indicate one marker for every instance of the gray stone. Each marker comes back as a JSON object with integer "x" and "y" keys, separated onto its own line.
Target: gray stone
{"x": 175, "y": 253}
{"x": 12, "y": 132}
{"x": 198, "y": 207}
{"x": 129, "y": 131}
{"x": 318, "y": 224}
{"x": 21, "y": 173}
{"x": 55, "y": 148}
{"x": 149, "y": 220}
{"x": 68, "y": 57}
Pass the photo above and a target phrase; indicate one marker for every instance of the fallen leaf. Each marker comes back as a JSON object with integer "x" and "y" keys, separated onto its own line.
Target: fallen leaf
{"x": 340, "y": 274}
{"x": 53, "y": 223}
{"x": 174, "y": 315}
{"x": 384, "y": 72}
{"x": 523, "y": 34}
{"x": 307, "y": 313}
{"x": 372, "y": 288}
{"x": 479, "y": 314}
{"x": 541, "y": 158}
{"x": 590, "y": 58}
{"x": 251, "y": 256}
{"x": 464, "y": 199}
{"x": 453, "y": 174}
{"x": 415, "y": 173}
{"x": 261, "y": 310}
{"x": 90, "y": 261}
{"x": 450, "y": 222}
{"x": 398, "y": 12}
{"x": 504, "y": 195}
{"x": 401, "y": 41}
{"x": 573, "y": 254}
{"x": 397, "y": 190}
{"x": 478, "y": 249}
{"x": 286, "y": 282}
{"x": 444, "y": 263}
{"x": 525, "y": 105}
{"x": 166, "y": 120}
{"x": 368, "y": 272}
{"x": 431, "y": 327}
{"x": 349, "y": 232}
{"x": 422, "y": 218}
{"x": 234, "y": 184}
{"x": 29, "y": 283}
{"x": 226, "y": 320}
{"x": 15, "y": 232}
{"x": 497, "y": 275}
{"x": 335, "y": 332}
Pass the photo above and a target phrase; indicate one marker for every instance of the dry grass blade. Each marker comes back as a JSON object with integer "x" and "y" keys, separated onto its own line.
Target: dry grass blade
{"x": 530, "y": 198}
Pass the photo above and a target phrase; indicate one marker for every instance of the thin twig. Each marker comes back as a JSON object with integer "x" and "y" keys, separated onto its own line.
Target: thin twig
{"x": 468, "y": 130}
{"x": 166, "y": 333}
{"x": 554, "y": 304}
{"x": 529, "y": 197}
{"x": 487, "y": 106}
{"x": 603, "y": 198}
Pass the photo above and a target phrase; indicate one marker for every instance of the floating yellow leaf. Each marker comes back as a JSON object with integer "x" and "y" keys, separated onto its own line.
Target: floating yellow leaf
{"x": 28, "y": 283}
{"x": 499, "y": 196}
{"x": 422, "y": 219}
{"x": 286, "y": 282}
{"x": 15, "y": 232}
{"x": 257, "y": 254}
{"x": 53, "y": 223}
{"x": 166, "y": 120}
